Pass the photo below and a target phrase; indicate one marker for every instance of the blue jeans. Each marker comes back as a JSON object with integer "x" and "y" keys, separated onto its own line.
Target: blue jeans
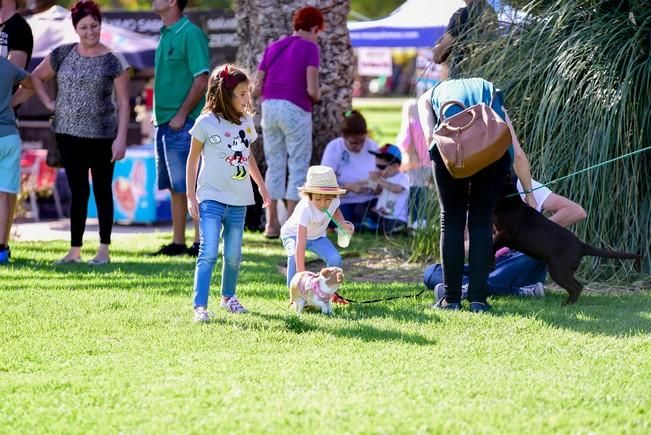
{"x": 213, "y": 216}
{"x": 322, "y": 247}
{"x": 172, "y": 149}
{"x": 512, "y": 271}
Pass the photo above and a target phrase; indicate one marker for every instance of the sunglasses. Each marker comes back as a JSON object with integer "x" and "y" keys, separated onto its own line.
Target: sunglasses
{"x": 381, "y": 167}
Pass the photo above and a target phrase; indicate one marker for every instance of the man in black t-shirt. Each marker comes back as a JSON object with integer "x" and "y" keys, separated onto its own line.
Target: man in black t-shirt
{"x": 16, "y": 40}
{"x": 475, "y": 21}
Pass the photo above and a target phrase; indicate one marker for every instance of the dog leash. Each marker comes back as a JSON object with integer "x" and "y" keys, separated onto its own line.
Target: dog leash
{"x": 580, "y": 171}
{"x": 390, "y": 298}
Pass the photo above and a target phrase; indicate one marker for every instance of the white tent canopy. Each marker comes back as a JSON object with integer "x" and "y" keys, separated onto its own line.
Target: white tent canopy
{"x": 417, "y": 23}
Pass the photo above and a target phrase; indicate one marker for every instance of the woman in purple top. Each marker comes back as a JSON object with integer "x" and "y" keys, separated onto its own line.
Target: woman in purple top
{"x": 288, "y": 81}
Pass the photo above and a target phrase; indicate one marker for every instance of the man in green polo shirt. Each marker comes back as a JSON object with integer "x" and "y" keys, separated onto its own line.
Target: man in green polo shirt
{"x": 180, "y": 80}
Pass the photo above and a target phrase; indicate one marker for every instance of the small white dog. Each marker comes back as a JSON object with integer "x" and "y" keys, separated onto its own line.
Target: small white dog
{"x": 317, "y": 290}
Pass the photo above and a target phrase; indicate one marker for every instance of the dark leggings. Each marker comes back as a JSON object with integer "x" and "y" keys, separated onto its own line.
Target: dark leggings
{"x": 475, "y": 197}
{"x": 78, "y": 155}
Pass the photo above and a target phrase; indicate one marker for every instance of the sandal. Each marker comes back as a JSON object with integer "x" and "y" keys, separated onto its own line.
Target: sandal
{"x": 66, "y": 260}
{"x": 271, "y": 233}
{"x": 99, "y": 262}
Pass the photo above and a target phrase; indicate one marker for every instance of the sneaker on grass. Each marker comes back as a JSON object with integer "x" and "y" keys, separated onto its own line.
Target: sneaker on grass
{"x": 442, "y": 304}
{"x": 193, "y": 250}
{"x": 233, "y": 305}
{"x": 202, "y": 315}
{"x": 439, "y": 291}
{"x": 171, "y": 250}
{"x": 479, "y": 307}
{"x": 536, "y": 290}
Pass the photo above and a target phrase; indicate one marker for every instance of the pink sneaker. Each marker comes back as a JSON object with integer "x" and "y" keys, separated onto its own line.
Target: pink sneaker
{"x": 233, "y": 305}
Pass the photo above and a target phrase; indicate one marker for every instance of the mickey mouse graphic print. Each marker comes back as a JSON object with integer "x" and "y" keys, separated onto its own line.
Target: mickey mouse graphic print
{"x": 224, "y": 175}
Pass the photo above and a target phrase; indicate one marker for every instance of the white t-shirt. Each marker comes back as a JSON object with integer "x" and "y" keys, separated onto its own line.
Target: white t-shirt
{"x": 394, "y": 205}
{"x": 315, "y": 220}
{"x": 224, "y": 174}
{"x": 350, "y": 167}
{"x": 540, "y": 195}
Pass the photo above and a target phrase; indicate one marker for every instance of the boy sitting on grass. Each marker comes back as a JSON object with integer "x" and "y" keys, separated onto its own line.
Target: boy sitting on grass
{"x": 390, "y": 214}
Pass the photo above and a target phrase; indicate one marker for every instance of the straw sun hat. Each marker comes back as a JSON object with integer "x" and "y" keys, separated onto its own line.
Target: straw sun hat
{"x": 321, "y": 179}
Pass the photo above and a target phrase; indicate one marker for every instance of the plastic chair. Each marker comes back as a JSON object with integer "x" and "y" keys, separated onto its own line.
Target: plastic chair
{"x": 37, "y": 176}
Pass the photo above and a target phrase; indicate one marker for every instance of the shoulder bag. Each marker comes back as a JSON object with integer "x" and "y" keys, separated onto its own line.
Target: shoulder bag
{"x": 472, "y": 139}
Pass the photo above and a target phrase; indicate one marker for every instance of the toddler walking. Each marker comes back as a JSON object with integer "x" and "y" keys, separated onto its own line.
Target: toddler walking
{"x": 222, "y": 137}
{"x": 306, "y": 227}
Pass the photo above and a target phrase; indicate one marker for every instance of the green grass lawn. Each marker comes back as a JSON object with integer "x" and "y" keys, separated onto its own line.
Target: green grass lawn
{"x": 383, "y": 117}
{"x": 114, "y": 350}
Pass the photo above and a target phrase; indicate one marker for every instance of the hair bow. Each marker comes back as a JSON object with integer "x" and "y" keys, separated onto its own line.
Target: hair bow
{"x": 229, "y": 81}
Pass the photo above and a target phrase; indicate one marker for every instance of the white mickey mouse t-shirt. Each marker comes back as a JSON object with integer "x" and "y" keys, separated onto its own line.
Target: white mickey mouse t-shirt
{"x": 224, "y": 174}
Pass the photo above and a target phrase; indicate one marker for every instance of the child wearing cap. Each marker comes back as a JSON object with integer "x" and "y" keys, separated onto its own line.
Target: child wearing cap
{"x": 391, "y": 212}
{"x": 306, "y": 227}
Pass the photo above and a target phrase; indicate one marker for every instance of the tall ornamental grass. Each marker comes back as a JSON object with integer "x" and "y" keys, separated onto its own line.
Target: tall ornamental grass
{"x": 577, "y": 81}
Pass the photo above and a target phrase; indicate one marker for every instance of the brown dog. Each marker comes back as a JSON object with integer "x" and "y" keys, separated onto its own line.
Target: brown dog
{"x": 524, "y": 229}
{"x": 310, "y": 289}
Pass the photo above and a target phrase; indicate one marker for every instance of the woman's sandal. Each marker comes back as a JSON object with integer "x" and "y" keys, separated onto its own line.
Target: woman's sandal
{"x": 98, "y": 262}
{"x": 271, "y": 233}
{"x": 65, "y": 260}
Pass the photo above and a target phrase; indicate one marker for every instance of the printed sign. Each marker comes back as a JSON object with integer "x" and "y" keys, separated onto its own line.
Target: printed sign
{"x": 374, "y": 62}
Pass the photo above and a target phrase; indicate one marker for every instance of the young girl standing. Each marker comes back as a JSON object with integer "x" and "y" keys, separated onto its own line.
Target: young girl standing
{"x": 306, "y": 227}
{"x": 218, "y": 197}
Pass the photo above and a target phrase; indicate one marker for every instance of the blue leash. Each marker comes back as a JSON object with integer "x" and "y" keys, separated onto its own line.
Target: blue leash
{"x": 581, "y": 171}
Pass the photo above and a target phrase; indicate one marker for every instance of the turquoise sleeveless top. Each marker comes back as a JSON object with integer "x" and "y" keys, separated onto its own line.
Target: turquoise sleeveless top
{"x": 469, "y": 92}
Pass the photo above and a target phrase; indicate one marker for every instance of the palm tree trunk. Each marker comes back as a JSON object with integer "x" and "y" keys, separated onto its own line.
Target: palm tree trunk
{"x": 263, "y": 21}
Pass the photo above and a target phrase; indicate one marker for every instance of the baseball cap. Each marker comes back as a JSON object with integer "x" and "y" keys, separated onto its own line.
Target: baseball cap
{"x": 389, "y": 152}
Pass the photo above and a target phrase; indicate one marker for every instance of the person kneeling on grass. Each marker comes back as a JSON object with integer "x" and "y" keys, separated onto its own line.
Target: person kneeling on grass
{"x": 306, "y": 227}
{"x": 516, "y": 273}
{"x": 391, "y": 212}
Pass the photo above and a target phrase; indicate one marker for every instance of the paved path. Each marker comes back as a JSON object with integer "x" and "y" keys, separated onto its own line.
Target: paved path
{"x": 28, "y": 230}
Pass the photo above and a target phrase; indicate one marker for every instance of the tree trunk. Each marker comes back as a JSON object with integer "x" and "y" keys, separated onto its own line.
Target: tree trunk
{"x": 263, "y": 21}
